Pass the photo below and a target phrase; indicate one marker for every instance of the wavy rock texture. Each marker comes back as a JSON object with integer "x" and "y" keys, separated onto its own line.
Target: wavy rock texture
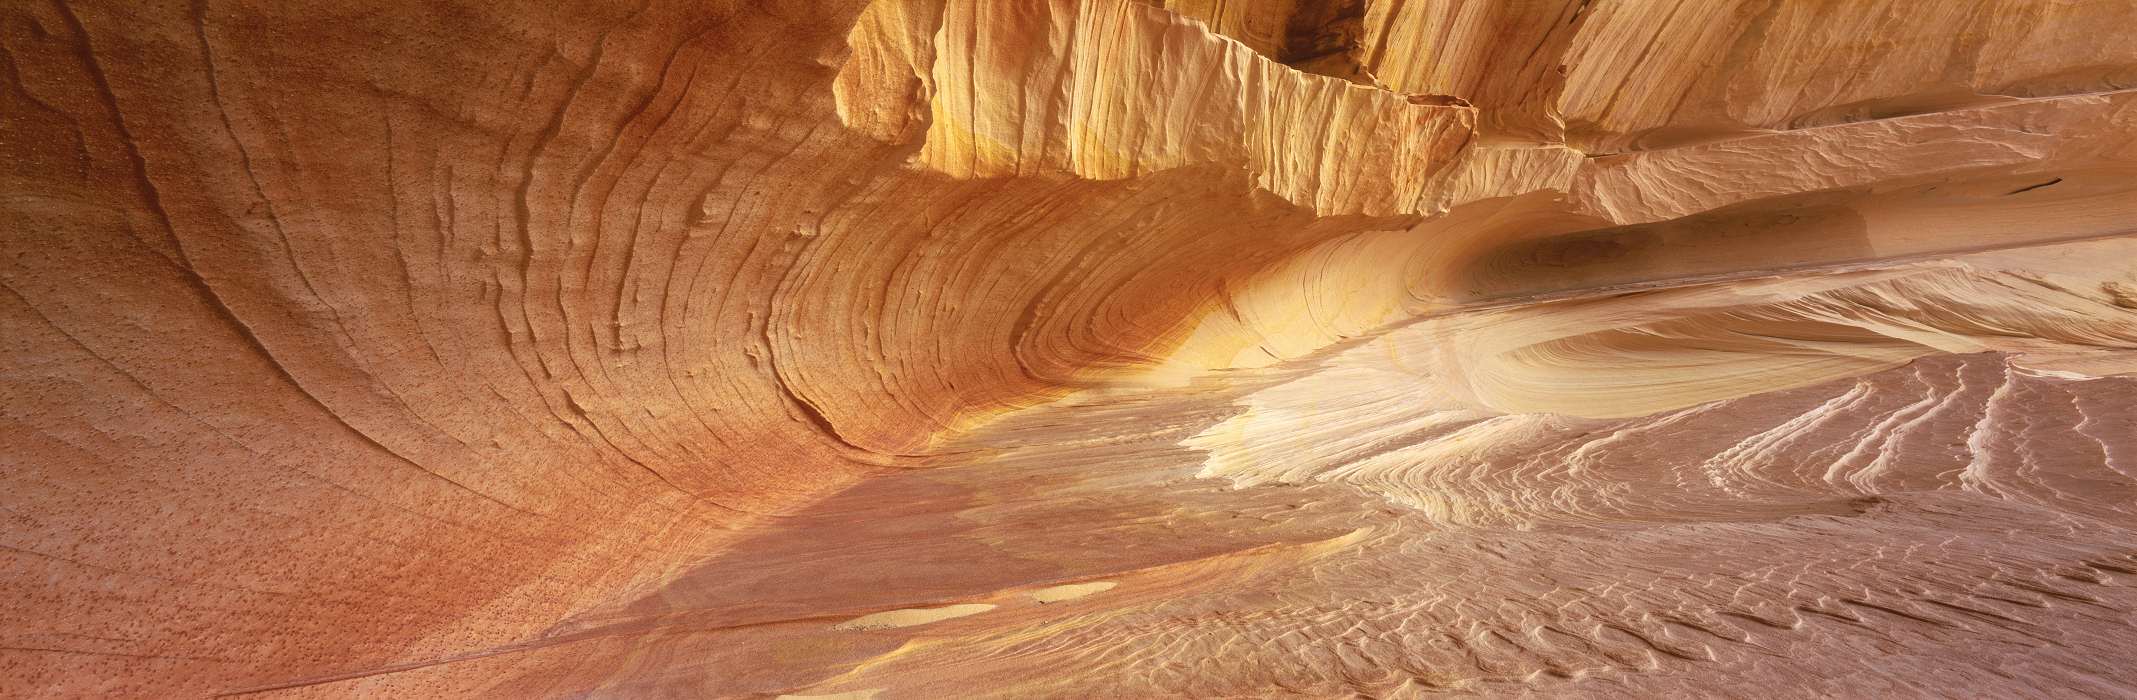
{"x": 1068, "y": 348}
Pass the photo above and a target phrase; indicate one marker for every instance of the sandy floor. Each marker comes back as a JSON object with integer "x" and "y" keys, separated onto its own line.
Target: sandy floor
{"x": 1873, "y": 514}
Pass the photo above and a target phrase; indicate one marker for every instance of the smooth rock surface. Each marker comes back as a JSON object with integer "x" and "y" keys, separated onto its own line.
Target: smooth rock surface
{"x": 1068, "y": 348}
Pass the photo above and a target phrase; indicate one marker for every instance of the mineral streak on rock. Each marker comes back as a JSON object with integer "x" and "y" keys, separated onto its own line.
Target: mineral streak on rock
{"x": 1068, "y": 348}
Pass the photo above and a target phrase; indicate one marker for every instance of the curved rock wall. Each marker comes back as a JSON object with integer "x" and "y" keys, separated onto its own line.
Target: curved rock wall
{"x": 353, "y": 342}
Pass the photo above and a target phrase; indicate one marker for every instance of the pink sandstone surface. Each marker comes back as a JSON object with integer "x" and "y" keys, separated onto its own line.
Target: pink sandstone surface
{"x": 1068, "y": 348}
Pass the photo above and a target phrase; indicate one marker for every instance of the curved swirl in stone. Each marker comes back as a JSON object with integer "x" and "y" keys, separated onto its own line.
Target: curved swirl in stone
{"x": 936, "y": 348}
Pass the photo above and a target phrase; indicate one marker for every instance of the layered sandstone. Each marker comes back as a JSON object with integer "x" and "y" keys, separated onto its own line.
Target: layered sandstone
{"x": 952, "y": 348}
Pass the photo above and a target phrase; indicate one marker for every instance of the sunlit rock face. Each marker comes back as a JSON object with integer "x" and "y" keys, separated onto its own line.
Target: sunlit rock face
{"x": 1069, "y": 348}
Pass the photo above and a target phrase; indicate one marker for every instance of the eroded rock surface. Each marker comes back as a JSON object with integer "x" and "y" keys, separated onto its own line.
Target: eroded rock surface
{"x": 1068, "y": 348}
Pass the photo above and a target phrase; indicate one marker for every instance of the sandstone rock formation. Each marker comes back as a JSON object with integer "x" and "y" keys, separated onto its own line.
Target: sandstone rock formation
{"x": 1068, "y": 348}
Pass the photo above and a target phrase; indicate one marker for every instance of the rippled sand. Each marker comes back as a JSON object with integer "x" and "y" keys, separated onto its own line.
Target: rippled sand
{"x": 1904, "y": 521}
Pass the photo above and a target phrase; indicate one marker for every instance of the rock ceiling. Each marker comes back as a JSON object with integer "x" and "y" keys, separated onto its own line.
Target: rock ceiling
{"x": 1068, "y": 348}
